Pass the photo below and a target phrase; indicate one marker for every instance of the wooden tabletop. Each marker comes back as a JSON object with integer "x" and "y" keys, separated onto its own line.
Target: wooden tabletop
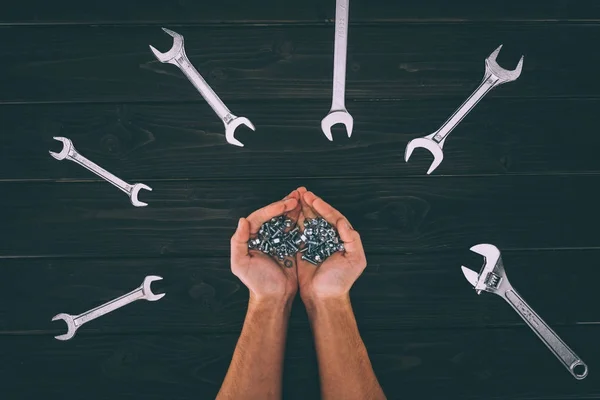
{"x": 521, "y": 171}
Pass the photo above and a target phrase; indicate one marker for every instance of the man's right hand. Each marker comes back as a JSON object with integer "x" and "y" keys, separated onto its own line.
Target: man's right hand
{"x": 266, "y": 277}
{"x": 336, "y": 275}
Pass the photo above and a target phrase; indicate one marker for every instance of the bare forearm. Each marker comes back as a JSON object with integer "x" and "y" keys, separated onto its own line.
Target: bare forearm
{"x": 257, "y": 365}
{"x": 344, "y": 365}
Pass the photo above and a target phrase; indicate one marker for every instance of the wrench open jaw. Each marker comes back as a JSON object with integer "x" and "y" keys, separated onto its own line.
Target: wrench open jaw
{"x": 176, "y": 56}
{"x": 504, "y": 75}
{"x": 71, "y": 328}
{"x": 67, "y": 146}
{"x": 337, "y": 117}
{"x": 428, "y": 143}
{"x": 135, "y": 189}
{"x": 176, "y": 50}
{"x": 147, "y": 291}
{"x": 494, "y": 76}
{"x": 232, "y": 125}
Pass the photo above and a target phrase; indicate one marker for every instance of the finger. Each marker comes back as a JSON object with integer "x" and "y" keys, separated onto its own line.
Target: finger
{"x": 239, "y": 241}
{"x": 259, "y": 217}
{"x": 351, "y": 238}
{"x": 294, "y": 214}
{"x": 293, "y": 194}
{"x": 302, "y": 190}
{"x": 307, "y": 211}
{"x": 322, "y": 208}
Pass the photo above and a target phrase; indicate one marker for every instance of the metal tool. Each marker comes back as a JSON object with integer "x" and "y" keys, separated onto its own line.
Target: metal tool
{"x": 492, "y": 278}
{"x": 70, "y": 153}
{"x": 177, "y": 56}
{"x": 338, "y": 113}
{"x": 494, "y": 76}
{"x": 74, "y": 322}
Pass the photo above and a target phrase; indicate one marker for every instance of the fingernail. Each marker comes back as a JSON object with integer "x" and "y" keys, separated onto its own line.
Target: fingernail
{"x": 348, "y": 225}
{"x": 240, "y": 223}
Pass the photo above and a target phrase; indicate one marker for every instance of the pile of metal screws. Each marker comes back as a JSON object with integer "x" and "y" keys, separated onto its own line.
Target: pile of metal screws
{"x": 280, "y": 238}
{"x": 322, "y": 240}
{"x": 276, "y": 238}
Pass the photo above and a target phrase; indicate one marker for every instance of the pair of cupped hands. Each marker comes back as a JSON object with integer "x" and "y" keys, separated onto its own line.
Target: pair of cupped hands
{"x": 268, "y": 279}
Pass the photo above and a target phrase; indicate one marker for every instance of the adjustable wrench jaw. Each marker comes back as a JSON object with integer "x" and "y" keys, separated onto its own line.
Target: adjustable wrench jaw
{"x": 71, "y": 328}
{"x": 176, "y": 50}
{"x": 427, "y": 142}
{"x": 492, "y": 277}
{"x": 337, "y": 117}
{"x": 67, "y": 147}
{"x": 147, "y": 291}
{"x": 503, "y": 75}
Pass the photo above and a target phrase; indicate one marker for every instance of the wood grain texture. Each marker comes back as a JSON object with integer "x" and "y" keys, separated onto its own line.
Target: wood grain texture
{"x": 145, "y": 142}
{"x": 499, "y": 363}
{"x": 396, "y": 292}
{"x": 401, "y": 61}
{"x": 393, "y": 215}
{"x": 274, "y": 11}
{"x": 520, "y": 172}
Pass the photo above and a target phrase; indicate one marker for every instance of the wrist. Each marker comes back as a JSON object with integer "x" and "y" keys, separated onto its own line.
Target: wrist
{"x": 314, "y": 302}
{"x": 271, "y": 302}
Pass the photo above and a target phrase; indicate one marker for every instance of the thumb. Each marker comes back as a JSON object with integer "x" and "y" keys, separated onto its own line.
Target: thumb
{"x": 239, "y": 240}
{"x": 350, "y": 238}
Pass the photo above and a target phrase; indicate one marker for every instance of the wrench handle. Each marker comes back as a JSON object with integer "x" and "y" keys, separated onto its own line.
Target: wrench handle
{"x": 101, "y": 172}
{"x": 108, "y": 307}
{"x": 568, "y": 358}
{"x": 339, "y": 55}
{"x": 488, "y": 83}
{"x": 205, "y": 90}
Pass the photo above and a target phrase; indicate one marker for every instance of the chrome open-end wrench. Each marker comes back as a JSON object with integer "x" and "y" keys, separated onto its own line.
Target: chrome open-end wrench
{"x": 494, "y": 76}
{"x": 74, "y": 322}
{"x": 338, "y": 113}
{"x": 492, "y": 278}
{"x": 177, "y": 56}
{"x": 68, "y": 152}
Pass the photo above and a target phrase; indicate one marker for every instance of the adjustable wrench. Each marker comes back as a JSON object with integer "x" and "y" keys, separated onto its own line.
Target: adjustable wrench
{"x": 177, "y": 56}
{"x": 492, "y": 278}
{"x": 74, "y": 322}
{"x": 494, "y": 76}
{"x": 338, "y": 113}
{"x": 68, "y": 152}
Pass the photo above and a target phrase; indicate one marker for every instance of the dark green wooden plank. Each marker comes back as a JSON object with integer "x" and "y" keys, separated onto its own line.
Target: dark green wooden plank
{"x": 395, "y": 292}
{"x": 405, "y": 61}
{"x": 393, "y": 215}
{"x": 144, "y": 142}
{"x": 273, "y": 11}
{"x": 492, "y": 363}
